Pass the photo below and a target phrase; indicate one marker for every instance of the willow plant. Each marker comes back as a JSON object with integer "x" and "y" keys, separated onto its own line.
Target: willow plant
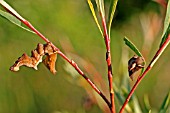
{"x": 104, "y": 27}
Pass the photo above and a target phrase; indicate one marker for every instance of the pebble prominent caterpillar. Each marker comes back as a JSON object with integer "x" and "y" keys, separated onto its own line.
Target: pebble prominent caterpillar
{"x": 37, "y": 57}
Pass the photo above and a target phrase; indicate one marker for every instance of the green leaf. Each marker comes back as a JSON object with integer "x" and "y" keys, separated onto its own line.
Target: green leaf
{"x": 121, "y": 98}
{"x": 167, "y": 17}
{"x": 94, "y": 15}
{"x": 112, "y": 10}
{"x": 165, "y": 104}
{"x": 150, "y": 111}
{"x": 165, "y": 36}
{"x": 11, "y": 10}
{"x": 132, "y": 46}
{"x": 137, "y": 108}
{"x": 166, "y": 30}
{"x": 147, "y": 103}
{"x": 10, "y": 17}
{"x": 16, "y": 19}
{"x": 13, "y": 19}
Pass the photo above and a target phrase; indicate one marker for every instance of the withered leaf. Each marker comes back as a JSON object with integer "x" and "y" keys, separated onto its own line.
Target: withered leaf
{"x": 49, "y": 62}
{"x": 24, "y": 60}
{"x": 40, "y": 49}
{"x": 36, "y": 57}
{"x": 48, "y": 49}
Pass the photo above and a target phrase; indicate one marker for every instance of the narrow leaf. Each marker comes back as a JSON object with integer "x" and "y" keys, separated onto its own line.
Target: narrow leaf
{"x": 150, "y": 111}
{"x": 147, "y": 103}
{"x": 132, "y": 46}
{"x": 165, "y": 104}
{"x": 165, "y": 35}
{"x": 13, "y": 19}
{"x": 137, "y": 108}
{"x": 10, "y": 17}
{"x": 121, "y": 98}
{"x": 100, "y": 6}
{"x": 167, "y": 17}
{"x": 166, "y": 30}
{"x": 94, "y": 15}
{"x": 11, "y": 10}
{"x": 112, "y": 10}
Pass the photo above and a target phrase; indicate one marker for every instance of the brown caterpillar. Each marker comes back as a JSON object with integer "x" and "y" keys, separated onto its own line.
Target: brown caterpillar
{"x": 36, "y": 57}
{"x": 134, "y": 64}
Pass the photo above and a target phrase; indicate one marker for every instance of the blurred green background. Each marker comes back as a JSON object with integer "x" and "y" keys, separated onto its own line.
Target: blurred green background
{"x": 70, "y": 26}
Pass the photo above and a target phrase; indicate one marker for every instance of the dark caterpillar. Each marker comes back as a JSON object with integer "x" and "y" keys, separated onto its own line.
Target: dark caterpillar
{"x": 134, "y": 64}
{"x": 36, "y": 57}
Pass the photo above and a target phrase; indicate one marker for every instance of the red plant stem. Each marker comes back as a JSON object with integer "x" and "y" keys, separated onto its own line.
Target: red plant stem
{"x": 108, "y": 59}
{"x": 153, "y": 61}
{"x": 85, "y": 77}
{"x": 36, "y": 31}
{"x": 28, "y": 24}
{"x": 70, "y": 61}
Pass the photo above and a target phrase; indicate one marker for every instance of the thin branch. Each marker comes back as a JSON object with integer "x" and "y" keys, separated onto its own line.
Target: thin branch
{"x": 28, "y": 24}
{"x": 70, "y": 61}
{"x": 153, "y": 61}
{"x": 108, "y": 60}
{"x": 85, "y": 77}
